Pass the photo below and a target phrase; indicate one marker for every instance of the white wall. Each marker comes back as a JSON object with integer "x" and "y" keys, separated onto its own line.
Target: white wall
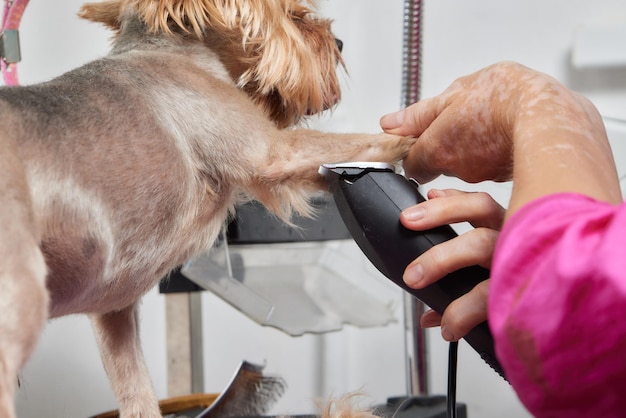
{"x": 65, "y": 378}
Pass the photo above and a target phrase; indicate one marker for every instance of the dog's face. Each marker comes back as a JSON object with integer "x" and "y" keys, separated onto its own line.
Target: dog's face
{"x": 277, "y": 51}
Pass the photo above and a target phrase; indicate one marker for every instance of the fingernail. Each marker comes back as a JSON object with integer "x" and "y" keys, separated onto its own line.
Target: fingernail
{"x": 414, "y": 275}
{"x": 446, "y": 334}
{"x": 429, "y": 321}
{"x": 392, "y": 120}
{"x": 413, "y": 213}
{"x": 434, "y": 193}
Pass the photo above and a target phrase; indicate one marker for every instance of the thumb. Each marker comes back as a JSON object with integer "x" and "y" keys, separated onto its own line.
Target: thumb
{"x": 413, "y": 120}
{"x": 392, "y": 121}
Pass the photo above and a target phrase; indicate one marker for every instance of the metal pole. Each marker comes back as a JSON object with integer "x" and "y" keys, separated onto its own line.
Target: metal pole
{"x": 415, "y": 336}
{"x": 196, "y": 342}
{"x": 412, "y": 52}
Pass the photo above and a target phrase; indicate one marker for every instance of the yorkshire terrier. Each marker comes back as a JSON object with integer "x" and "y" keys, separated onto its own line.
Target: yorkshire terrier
{"x": 118, "y": 171}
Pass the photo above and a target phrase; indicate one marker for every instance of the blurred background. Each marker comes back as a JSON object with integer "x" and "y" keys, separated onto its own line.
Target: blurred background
{"x": 576, "y": 41}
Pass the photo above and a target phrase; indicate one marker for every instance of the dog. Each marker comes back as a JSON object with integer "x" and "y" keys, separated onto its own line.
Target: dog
{"x": 116, "y": 172}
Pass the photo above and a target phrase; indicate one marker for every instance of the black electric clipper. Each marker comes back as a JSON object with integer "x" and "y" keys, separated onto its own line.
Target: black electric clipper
{"x": 370, "y": 197}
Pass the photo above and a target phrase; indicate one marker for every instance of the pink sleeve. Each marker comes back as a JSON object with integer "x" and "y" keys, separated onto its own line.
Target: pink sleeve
{"x": 557, "y": 306}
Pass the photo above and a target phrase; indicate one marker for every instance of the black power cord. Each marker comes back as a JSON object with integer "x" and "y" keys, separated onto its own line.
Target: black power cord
{"x": 452, "y": 365}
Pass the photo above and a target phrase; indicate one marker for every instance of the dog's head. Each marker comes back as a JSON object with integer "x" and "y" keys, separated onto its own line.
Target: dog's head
{"x": 277, "y": 51}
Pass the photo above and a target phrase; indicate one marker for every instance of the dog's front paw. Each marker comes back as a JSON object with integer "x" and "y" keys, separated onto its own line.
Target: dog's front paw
{"x": 394, "y": 148}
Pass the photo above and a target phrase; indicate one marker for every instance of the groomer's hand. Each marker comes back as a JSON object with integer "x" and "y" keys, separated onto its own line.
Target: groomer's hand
{"x": 506, "y": 122}
{"x": 467, "y": 130}
{"x": 471, "y": 248}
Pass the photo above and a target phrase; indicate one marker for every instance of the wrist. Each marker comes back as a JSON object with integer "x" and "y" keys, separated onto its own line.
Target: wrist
{"x": 560, "y": 145}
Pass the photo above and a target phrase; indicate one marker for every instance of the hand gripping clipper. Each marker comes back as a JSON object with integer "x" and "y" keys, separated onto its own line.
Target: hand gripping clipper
{"x": 370, "y": 197}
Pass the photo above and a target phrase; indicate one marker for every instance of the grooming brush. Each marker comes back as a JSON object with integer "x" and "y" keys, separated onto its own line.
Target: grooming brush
{"x": 249, "y": 393}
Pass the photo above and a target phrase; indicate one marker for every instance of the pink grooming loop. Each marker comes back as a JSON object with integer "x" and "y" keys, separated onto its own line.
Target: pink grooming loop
{"x": 13, "y": 11}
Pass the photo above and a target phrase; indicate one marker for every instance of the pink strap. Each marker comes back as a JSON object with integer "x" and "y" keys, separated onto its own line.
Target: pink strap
{"x": 13, "y": 11}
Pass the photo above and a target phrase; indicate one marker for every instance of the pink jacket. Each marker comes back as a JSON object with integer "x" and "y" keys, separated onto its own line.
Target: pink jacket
{"x": 557, "y": 306}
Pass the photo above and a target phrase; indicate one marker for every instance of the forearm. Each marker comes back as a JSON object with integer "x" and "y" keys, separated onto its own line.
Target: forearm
{"x": 560, "y": 145}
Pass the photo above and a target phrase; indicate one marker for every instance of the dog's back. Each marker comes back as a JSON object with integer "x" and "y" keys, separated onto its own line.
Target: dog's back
{"x": 114, "y": 198}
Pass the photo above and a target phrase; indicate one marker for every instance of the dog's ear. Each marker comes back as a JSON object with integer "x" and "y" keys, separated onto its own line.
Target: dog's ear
{"x": 107, "y": 12}
{"x": 291, "y": 56}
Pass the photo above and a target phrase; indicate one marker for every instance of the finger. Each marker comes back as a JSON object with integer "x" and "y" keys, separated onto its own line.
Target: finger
{"x": 452, "y": 145}
{"x": 430, "y": 319}
{"x": 419, "y": 120}
{"x": 472, "y": 248}
{"x": 440, "y": 149}
{"x": 417, "y": 165}
{"x": 466, "y": 312}
{"x": 452, "y": 206}
{"x": 414, "y": 119}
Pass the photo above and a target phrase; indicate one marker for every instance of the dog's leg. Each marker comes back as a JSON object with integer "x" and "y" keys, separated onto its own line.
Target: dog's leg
{"x": 118, "y": 338}
{"x": 23, "y": 307}
{"x": 291, "y": 173}
{"x": 302, "y": 151}
{"x": 23, "y": 295}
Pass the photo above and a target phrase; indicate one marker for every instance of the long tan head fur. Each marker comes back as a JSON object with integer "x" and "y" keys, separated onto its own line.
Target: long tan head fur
{"x": 283, "y": 56}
